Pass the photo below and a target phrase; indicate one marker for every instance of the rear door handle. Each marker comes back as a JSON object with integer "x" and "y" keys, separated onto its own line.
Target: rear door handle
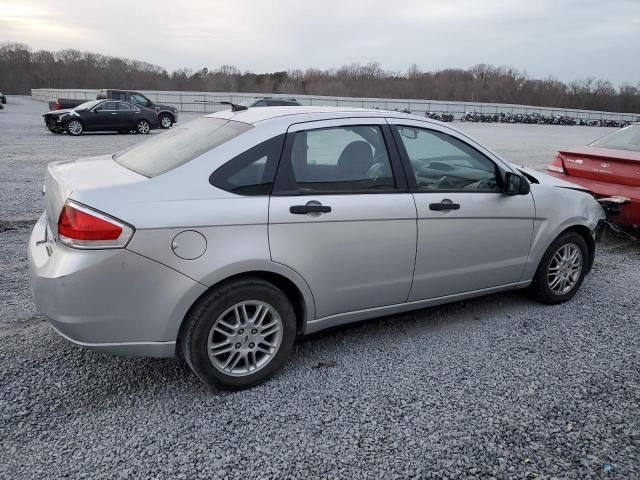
{"x": 444, "y": 206}
{"x": 304, "y": 209}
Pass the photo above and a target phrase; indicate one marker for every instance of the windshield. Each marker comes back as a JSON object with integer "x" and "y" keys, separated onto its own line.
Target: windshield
{"x": 179, "y": 145}
{"x": 627, "y": 138}
{"x": 87, "y": 105}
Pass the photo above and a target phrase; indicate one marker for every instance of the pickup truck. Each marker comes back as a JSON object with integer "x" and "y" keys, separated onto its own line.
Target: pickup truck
{"x": 167, "y": 114}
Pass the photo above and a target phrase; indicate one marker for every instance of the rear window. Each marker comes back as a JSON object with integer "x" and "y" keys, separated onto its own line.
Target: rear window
{"x": 168, "y": 150}
{"x": 627, "y": 138}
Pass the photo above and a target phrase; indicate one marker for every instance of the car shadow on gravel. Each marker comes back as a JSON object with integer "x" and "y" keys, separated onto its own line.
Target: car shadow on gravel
{"x": 104, "y": 378}
{"x": 430, "y": 318}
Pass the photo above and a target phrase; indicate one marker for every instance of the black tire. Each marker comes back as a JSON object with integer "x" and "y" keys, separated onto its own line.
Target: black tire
{"x": 74, "y": 127}
{"x": 166, "y": 120}
{"x": 55, "y": 129}
{"x": 540, "y": 288}
{"x": 194, "y": 338}
{"x": 143, "y": 126}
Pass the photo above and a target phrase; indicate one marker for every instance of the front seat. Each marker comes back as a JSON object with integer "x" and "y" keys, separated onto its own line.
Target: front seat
{"x": 355, "y": 161}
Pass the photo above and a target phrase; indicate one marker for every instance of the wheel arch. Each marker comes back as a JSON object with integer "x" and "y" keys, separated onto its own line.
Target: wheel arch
{"x": 296, "y": 290}
{"x": 168, "y": 113}
{"x": 585, "y": 233}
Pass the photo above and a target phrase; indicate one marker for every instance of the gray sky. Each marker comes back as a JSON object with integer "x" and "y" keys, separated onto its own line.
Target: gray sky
{"x": 566, "y": 39}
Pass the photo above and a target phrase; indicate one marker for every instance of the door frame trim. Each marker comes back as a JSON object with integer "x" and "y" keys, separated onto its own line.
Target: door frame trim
{"x": 285, "y": 184}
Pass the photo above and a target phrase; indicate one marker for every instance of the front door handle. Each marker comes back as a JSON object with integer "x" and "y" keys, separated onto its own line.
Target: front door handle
{"x": 444, "y": 206}
{"x": 304, "y": 209}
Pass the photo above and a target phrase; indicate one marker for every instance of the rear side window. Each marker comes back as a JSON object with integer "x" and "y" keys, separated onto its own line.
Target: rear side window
{"x": 123, "y": 106}
{"x": 251, "y": 172}
{"x": 168, "y": 150}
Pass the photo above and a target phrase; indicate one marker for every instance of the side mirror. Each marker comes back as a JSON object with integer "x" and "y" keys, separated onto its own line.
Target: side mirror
{"x": 515, "y": 184}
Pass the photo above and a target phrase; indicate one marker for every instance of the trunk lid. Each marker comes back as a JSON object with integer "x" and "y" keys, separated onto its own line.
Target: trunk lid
{"x": 603, "y": 164}
{"x": 63, "y": 178}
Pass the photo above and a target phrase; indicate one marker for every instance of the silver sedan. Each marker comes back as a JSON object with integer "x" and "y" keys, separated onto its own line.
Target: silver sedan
{"x": 230, "y": 235}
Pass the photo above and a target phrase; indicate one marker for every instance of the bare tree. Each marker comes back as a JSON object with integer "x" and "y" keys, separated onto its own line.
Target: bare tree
{"x": 22, "y": 69}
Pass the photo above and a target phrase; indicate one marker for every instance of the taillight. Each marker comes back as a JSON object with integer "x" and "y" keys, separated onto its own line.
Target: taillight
{"x": 83, "y": 227}
{"x": 557, "y": 165}
{"x": 58, "y": 105}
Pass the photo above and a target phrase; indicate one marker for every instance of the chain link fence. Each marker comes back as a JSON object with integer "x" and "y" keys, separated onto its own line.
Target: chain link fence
{"x": 207, "y": 102}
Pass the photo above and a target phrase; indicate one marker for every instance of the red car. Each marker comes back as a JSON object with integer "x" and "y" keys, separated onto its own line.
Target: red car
{"x": 608, "y": 167}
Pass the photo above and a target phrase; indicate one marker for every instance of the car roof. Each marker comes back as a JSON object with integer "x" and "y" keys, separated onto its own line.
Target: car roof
{"x": 305, "y": 113}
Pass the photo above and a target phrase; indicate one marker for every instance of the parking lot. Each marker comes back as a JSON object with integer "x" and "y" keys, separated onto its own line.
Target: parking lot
{"x": 497, "y": 387}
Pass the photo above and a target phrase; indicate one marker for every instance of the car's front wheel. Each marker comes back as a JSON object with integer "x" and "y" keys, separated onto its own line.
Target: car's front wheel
{"x": 561, "y": 270}
{"x": 143, "y": 126}
{"x": 55, "y": 129}
{"x": 74, "y": 127}
{"x": 239, "y": 334}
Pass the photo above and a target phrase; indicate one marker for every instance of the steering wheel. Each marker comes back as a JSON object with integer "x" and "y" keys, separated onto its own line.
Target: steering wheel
{"x": 377, "y": 171}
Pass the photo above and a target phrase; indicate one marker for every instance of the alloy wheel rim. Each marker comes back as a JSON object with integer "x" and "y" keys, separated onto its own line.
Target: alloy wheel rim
{"x": 75, "y": 127}
{"x": 564, "y": 269}
{"x": 245, "y": 338}
{"x": 143, "y": 127}
{"x": 166, "y": 122}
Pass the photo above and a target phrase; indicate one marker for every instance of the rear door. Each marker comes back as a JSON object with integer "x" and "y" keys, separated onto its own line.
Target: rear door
{"x": 128, "y": 115}
{"x": 341, "y": 216}
{"x": 471, "y": 236}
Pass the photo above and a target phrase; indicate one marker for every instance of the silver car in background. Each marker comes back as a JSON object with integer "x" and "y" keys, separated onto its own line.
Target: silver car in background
{"x": 232, "y": 234}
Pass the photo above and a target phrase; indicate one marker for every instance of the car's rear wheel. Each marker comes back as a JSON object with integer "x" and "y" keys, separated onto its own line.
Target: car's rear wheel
{"x": 561, "y": 270}
{"x": 143, "y": 126}
{"x": 166, "y": 121}
{"x": 238, "y": 335}
{"x": 74, "y": 127}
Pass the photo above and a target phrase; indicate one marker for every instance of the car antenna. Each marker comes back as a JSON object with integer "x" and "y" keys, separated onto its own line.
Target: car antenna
{"x": 234, "y": 106}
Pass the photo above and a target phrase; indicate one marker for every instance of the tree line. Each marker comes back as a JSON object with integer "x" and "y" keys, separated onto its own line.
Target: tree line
{"x": 22, "y": 69}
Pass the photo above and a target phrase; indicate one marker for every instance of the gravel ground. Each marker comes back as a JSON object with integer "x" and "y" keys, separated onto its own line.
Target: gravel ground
{"x": 497, "y": 387}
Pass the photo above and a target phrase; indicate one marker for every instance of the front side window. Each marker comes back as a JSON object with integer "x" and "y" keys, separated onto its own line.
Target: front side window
{"x": 107, "y": 107}
{"x": 252, "y": 172}
{"x": 140, "y": 99}
{"x": 341, "y": 160}
{"x": 442, "y": 162}
{"x": 179, "y": 145}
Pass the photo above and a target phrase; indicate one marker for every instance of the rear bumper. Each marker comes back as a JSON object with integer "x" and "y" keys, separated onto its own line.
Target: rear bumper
{"x": 114, "y": 301}
{"x": 629, "y": 213}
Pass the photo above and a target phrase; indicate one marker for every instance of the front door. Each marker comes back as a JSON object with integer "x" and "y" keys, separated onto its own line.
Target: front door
{"x": 104, "y": 116}
{"x": 341, "y": 216}
{"x": 471, "y": 236}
